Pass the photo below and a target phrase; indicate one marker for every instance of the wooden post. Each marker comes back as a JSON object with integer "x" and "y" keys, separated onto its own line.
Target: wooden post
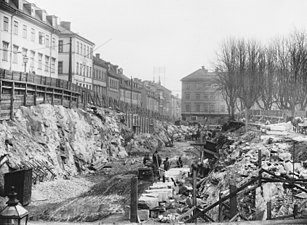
{"x": 70, "y": 99}
{"x": 134, "y": 200}
{"x": 52, "y": 97}
{"x": 220, "y": 208}
{"x": 25, "y": 95}
{"x": 12, "y": 100}
{"x": 233, "y": 201}
{"x": 62, "y": 98}
{"x": 77, "y": 99}
{"x": 269, "y": 210}
{"x": 45, "y": 95}
{"x": 260, "y": 166}
{"x": 35, "y": 95}
{"x": 194, "y": 193}
{"x": 295, "y": 210}
{"x": 1, "y": 93}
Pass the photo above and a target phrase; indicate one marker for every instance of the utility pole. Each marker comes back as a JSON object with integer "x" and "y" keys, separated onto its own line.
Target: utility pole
{"x": 131, "y": 92}
{"x": 70, "y": 63}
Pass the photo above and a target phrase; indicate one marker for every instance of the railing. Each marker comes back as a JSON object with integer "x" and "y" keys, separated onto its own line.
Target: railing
{"x": 22, "y": 89}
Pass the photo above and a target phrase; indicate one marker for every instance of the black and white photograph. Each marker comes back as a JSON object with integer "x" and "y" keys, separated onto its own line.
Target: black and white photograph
{"x": 153, "y": 112}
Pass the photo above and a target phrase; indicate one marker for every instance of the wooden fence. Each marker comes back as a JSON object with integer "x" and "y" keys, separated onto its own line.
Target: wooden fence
{"x": 22, "y": 89}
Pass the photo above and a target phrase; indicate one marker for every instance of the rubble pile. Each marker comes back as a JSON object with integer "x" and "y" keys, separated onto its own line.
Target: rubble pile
{"x": 238, "y": 163}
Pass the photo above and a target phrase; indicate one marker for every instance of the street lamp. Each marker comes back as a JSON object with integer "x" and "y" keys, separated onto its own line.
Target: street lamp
{"x": 13, "y": 213}
{"x": 25, "y": 61}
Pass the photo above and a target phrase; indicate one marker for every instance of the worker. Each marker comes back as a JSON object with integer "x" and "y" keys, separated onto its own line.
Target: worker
{"x": 179, "y": 163}
{"x": 146, "y": 160}
{"x": 166, "y": 164}
{"x": 156, "y": 162}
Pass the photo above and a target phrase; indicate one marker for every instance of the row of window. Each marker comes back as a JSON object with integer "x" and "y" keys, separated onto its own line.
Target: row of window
{"x": 88, "y": 86}
{"x": 199, "y": 85}
{"x": 113, "y": 83}
{"x": 203, "y": 96}
{"x": 206, "y": 107}
{"x": 83, "y": 70}
{"x": 43, "y": 39}
{"x": 84, "y": 50}
{"x": 37, "y": 58}
{"x": 99, "y": 74}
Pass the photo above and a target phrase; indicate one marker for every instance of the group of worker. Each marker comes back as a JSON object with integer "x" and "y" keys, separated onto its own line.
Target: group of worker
{"x": 156, "y": 162}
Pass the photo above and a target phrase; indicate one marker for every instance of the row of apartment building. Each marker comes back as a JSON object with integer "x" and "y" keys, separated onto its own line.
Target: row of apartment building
{"x": 35, "y": 42}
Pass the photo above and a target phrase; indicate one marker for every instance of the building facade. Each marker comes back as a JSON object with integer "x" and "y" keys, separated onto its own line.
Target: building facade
{"x": 175, "y": 107}
{"x": 28, "y": 38}
{"x": 149, "y": 98}
{"x": 113, "y": 80}
{"x": 200, "y": 99}
{"x": 100, "y": 69}
{"x": 81, "y": 57}
{"x": 130, "y": 90}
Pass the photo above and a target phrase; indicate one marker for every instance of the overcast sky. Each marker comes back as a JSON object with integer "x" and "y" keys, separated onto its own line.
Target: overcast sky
{"x": 176, "y": 37}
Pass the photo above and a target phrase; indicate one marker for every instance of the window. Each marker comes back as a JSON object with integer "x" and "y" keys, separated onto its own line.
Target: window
{"x": 91, "y": 53}
{"x": 53, "y": 43}
{"x": 24, "y": 52}
{"x": 41, "y": 38}
{"x": 206, "y": 96}
{"x": 77, "y": 68}
{"x": 197, "y": 107}
{"x": 188, "y": 107}
{"x": 46, "y": 63}
{"x": 197, "y": 95}
{"x": 77, "y": 47}
{"x": 15, "y": 29}
{"x": 87, "y": 70}
{"x": 15, "y": 52}
{"x": 88, "y": 52}
{"x": 32, "y": 54}
{"x": 187, "y": 96}
{"x": 47, "y": 41}
{"x": 52, "y": 65}
{"x": 188, "y": 86}
{"x": 5, "y": 23}
{"x": 211, "y": 107}
{"x": 206, "y": 109}
{"x": 40, "y": 59}
{"x": 223, "y": 108}
{"x": 81, "y": 49}
{"x": 60, "y": 45}
{"x": 24, "y": 31}
{"x": 32, "y": 34}
{"x": 90, "y": 72}
{"x": 60, "y": 67}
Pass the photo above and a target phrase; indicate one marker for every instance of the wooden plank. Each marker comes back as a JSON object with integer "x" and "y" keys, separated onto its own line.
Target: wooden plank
{"x": 12, "y": 101}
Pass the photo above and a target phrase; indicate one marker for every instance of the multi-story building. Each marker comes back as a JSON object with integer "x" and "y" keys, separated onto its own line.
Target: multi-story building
{"x": 113, "y": 80}
{"x": 175, "y": 107}
{"x": 130, "y": 90}
{"x": 78, "y": 51}
{"x": 100, "y": 69}
{"x": 200, "y": 98}
{"x": 28, "y": 38}
{"x": 163, "y": 97}
{"x": 149, "y": 97}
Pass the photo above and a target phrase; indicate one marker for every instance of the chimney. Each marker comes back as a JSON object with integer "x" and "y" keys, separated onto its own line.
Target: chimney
{"x": 204, "y": 69}
{"x": 66, "y": 25}
{"x": 98, "y": 55}
{"x": 120, "y": 71}
{"x": 19, "y": 4}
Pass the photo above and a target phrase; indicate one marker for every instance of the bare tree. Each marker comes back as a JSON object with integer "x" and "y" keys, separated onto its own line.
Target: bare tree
{"x": 227, "y": 80}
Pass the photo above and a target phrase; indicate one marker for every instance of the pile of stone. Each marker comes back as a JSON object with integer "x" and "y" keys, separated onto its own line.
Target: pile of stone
{"x": 238, "y": 163}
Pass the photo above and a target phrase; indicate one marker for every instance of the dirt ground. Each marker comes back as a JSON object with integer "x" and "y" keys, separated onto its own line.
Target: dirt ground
{"x": 102, "y": 196}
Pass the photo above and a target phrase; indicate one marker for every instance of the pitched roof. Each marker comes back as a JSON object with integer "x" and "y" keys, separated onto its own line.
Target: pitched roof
{"x": 66, "y": 32}
{"x": 100, "y": 62}
{"x": 200, "y": 74}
